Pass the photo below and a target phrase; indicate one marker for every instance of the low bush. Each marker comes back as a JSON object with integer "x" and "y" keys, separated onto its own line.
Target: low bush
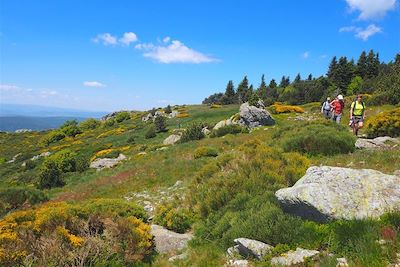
{"x": 318, "y": 139}
{"x": 205, "y": 152}
{"x": 70, "y": 128}
{"x": 228, "y": 129}
{"x": 122, "y": 116}
{"x": 109, "y": 123}
{"x": 168, "y": 109}
{"x": 215, "y": 106}
{"x": 278, "y": 108}
{"x": 174, "y": 219}
{"x": 384, "y": 124}
{"x": 160, "y": 123}
{"x": 183, "y": 115}
{"x": 89, "y": 124}
{"x": 50, "y": 175}
{"x": 16, "y": 197}
{"x": 151, "y": 132}
{"x": 52, "y": 137}
{"x": 85, "y": 234}
{"x": 193, "y": 132}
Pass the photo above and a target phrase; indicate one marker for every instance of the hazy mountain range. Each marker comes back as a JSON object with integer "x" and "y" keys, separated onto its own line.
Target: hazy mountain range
{"x": 35, "y": 117}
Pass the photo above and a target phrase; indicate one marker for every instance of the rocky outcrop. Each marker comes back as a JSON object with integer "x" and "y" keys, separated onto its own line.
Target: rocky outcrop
{"x": 42, "y": 155}
{"x": 172, "y": 139}
{"x": 224, "y": 123}
{"x": 205, "y": 131}
{"x": 237, "y": 263}
{"x": 326, "y": 193}
{"x": 252, "y": 116}
{"x": 294, "y": 258}
{"x": 253, "y": 248}
{"x": 167, "y": 241}
{"x": 14, "y": 158}
{"x": 377, "y": 143}
{"x": 100, "y": 164}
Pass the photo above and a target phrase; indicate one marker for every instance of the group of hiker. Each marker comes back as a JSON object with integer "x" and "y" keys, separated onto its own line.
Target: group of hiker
{"x": 333, "y": 110}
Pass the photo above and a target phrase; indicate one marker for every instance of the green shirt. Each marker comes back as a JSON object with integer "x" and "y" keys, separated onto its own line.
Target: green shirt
{"x": 358, "y": 108}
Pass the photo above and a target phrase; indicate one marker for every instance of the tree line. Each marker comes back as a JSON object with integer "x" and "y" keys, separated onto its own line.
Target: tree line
{"x": 368, "y": 75}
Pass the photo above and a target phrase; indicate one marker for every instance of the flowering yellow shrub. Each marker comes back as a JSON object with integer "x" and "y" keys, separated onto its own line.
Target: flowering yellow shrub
{"x": 172, "y": 218}
{"x": 385, "y": 123}
{"x": 63, "y": 233}
{"x": 182, "y": 115}
{"x": 106, "y": 153}
{"x": 216, "y": 106}
{"x": 116, "y": 131}
{"x": 278, "y": 108}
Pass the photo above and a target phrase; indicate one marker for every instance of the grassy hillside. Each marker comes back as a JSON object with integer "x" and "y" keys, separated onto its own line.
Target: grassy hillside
{"x": 213, "y": 214}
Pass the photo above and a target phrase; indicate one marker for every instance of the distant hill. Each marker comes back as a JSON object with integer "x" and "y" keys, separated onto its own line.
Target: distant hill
{"x": 14, "y": 116}
{"x": 12, "y": 123}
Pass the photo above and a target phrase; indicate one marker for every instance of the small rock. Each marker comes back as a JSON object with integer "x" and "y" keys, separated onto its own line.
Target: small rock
{"x": 167, "y": 241}
{"x": 162, "y": 148}
{"x": 23, "y": 164}
{"x": 102, "y": 163}
{"x": 237, "y": 263}
{"x": 14, "y": 158}
{"x": 232, "y": 252}
{"x": 249, "y": 247}
{"x": 205, "y": 131}
{"x": 376, "y": 143}
{"x": 294, "y": 257}
{"x": 178, "y": 257}
{"x": 149, "y": 208}
{"x": 397, "y": 173}
{"x": 172, "y": 139}
{"x": 341, "y": 262}
{"x": 142, "y": 153}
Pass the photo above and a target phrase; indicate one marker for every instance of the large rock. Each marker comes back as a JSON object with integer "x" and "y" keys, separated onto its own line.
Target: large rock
{"x": 327, "y": 193}
{"x": 224, "y": 123}
{"x": 377, "y": 143}
{"x": 172, "y": 139}
{"x": 252, "y": 116}
{"x": 292, "y": 258}
{"x": 148, "y": 117}
{"x": 249, "y": 247}
{"x": 100, "y": 164}
{"x": 167, "y": 241}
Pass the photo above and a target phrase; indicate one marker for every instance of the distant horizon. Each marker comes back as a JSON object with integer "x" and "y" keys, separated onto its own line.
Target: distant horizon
{"x": 151, "y": 54}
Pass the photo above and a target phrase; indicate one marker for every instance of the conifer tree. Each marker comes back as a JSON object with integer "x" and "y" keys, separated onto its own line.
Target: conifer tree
{"x": 272, "y": 83}
{"x": 262, "y": 89}
{"x": 242, "y": 90}
{"x": 362, "y": 65}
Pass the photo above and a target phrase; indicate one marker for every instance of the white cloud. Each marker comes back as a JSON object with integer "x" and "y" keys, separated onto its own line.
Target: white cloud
{"x": 368, "y": 32}
{"x": 305, "y": 55}
{"x": 128, "y": 37}
{"x": 175, "y": 52}
{"x": 47, "y": 93}
{"x": 166, "y": 39}
{"x": 93, "y": 84}
{"x": 362, "y": 33}
{"x": 8, "y": 87}
{"x": 371, "y": 9}
{"x": 106, "y": 39}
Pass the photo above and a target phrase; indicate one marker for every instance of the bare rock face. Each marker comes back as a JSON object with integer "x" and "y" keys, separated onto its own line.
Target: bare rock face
{"x": 326, "y": 193}
{"x": 252, "y": 116}
{"x": 100, "y": 164}
{"x": 377, "y": 143}
{"x": 172, "y": 139}
{"x": 167, "y": 241}
{"x": 294, "y": 258}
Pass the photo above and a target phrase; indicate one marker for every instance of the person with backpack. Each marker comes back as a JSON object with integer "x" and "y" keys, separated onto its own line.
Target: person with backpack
{"x": 326, "y": 108}
{"x": 337, "y": 108}
{"x": 357, "y": 114}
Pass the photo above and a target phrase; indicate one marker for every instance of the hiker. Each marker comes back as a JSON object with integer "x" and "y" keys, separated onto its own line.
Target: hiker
{"x": 326, "y": 108}
{"x": 337, "y": 108}
{"x": 357, "y": 114}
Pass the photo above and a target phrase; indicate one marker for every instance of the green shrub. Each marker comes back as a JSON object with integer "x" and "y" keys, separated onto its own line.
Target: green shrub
{"x": 168, "y": 109}
{"x": 151, "y": 132}
{"x": 2, "y": 160}
{"x": 89, "y": 124}
{"x": 130, "y": 140}
{"x": 65, "y": 160}
{"x": 122, "y": 116}
{"x": 15, "y": 197}
{"x": 109, "y": 123}
{"x": 205, "y": 152}
{"x": 50, "y": 175}
{"x": 82, "y": 163}
{"x": 30, "y": 164}
{"x": 229, "y": 129}
{"x": 52, "y": 137}
{"x": 383, "y": 124}
{"x": 318, "y": 139}
{"x": 70, "y": 128}
{"x": 172, "y": 218}
{"x": 193, "y": 132}
{"x": 160, "y": 124}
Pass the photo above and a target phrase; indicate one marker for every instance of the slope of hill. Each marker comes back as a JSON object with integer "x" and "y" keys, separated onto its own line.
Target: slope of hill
{"x": 152, "y": 170}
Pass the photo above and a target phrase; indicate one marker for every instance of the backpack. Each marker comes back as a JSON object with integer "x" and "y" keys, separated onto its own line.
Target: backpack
{"x": 354, "y": 105}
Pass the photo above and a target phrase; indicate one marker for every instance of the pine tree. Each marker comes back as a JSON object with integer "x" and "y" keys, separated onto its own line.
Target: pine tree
{"x": 298, "y": 78}
{"x": 272, "y": 84}
{"x": 262, "y": 89}
{"x": 332, "y": 69}
{"x": 310, "y": 77}
{"x": 242, "y": 90}
{"x": 229, "y": 96}
{"x": 362, "y": 65}
{"x": 344, "y": 74}
{"x": 285, "y": 81}
{"x": 372, "y": 64}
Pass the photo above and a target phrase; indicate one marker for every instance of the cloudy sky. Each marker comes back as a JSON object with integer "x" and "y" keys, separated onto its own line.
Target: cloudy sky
{"x": 111, "y": 55}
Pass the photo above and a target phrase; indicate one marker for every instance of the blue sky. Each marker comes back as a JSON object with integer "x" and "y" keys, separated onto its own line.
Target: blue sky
{"x": 112, "y": 55}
